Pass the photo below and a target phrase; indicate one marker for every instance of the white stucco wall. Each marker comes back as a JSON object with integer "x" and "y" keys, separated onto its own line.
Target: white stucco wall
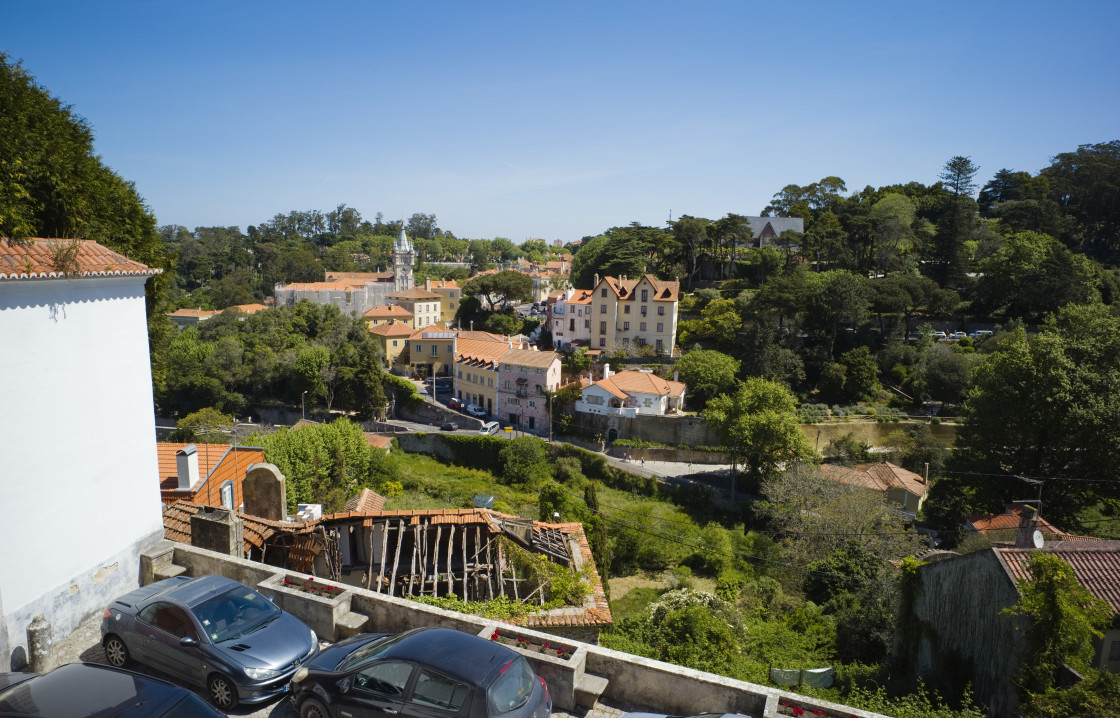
{"x": 78, "y": 473}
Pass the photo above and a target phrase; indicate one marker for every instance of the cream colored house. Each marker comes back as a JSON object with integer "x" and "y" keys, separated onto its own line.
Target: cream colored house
{"x": 630, "y": 314}
{"x": 630, "y": 393}
{"x": 450, "y": 295}
{"x": 386, "y": 313}
{"x": 424, "y": 305}
{"x": 393, "y": 337}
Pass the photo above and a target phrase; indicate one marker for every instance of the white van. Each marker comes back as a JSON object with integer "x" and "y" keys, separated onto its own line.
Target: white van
{"x": 490, "y": 427}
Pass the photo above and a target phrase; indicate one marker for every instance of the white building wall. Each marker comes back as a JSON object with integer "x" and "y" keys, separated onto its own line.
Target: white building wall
{"x": 77, "y": 436}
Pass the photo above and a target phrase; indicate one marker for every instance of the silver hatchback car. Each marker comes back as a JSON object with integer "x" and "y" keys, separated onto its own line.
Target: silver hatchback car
{"x": 209, "y": 631}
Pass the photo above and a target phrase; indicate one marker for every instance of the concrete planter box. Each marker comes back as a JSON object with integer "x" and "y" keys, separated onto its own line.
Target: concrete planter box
{"x": 561, "y": 674}
{"x": 321, "y": 613}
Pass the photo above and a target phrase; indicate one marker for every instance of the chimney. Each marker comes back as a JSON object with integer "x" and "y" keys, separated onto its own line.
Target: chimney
{"x": 186, "y": 466}
{"x": 596, "y": 280}
{"x": 676, "y": 375}
{"x": 606, "y": 371}
{"x": 1028, "y": 521}
{"x": 428, "y": 283}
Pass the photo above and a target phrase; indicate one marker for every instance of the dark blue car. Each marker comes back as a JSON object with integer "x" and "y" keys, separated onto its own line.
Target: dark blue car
{"x": 422, "y": 673}
{"x": 212, "y": 632}
{"x": 91, "y": 690}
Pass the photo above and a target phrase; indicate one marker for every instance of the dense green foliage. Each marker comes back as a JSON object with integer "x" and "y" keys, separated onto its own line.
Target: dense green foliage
{"x": 232, "y": 362}
{"x": 326, "y": 463}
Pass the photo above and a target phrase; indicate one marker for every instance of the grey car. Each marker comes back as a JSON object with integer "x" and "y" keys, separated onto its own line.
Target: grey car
{"x": 209, "y": 631}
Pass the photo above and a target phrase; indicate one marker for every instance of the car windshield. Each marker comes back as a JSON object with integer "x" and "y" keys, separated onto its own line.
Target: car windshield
{"x": 234, "y": 613}
{"x": 367, "y": 652}
{"x": 512, "y": 689}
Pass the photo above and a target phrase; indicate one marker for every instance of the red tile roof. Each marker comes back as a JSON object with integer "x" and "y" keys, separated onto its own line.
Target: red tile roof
{"x": 416, "y": 293}
{"x": 625, "y": 383}
{"x": 391, "y": 329}
{"x": 364, "y": 501}
{"x": 378, "y": 441}
{"x": 878, "y": 476}
{"x": 32, "y": 259}
{"x": 1010, "y": 521}
{"x": 662, "y": 291}
{"x": 388, "y": 311}
{"x": 217, "y": 463}
{"x": 1096, "y": 565}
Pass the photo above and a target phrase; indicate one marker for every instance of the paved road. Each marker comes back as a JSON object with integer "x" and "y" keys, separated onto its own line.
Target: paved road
{"x": 84, "y": 645}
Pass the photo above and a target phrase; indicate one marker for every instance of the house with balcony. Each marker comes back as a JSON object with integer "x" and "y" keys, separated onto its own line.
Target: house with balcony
{"x": 525, "y": 376}
{"x": 632, "y": 393}
{"x": 630, "y": 314}
{"x": 569, "y": 318}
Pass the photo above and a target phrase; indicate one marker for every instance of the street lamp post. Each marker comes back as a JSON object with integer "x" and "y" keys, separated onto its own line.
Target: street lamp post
{"x": 302, "y": 410}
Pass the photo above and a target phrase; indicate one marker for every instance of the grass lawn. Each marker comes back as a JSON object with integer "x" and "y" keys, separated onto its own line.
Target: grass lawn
{"x": 430, "y": 484}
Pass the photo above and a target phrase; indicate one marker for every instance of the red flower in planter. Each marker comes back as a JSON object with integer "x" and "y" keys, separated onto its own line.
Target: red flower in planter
{"x": 546, "y": 644}
{"x": 560, "y": 653}
{"x": 494, "y": 636}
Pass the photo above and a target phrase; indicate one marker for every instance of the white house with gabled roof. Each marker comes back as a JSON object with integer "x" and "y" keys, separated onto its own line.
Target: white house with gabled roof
{"x": 630, "y": 393}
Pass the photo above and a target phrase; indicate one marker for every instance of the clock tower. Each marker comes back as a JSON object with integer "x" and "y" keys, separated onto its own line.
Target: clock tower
{"x": 403, "y": 259}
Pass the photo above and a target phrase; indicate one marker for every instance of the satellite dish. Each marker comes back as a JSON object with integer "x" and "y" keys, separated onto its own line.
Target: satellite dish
{"x": 1036, "y": 538}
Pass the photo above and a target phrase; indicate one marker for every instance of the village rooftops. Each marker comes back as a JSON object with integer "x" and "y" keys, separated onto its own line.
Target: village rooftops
{"x": 1010, "y": 521}
{"x": 662, "y": 291}
{"x": 392, "y": 329}
{"x": 388, "y": 311}
{"x": 414, "y": 294}
{"x": 65, "y": 259}
{"x": 626, "y": 383}
{"x": 1096, "y": 565}
{"x": 362, "y": 277}
{"x": 528, "y": 358}
{"x": 877, "y": 476}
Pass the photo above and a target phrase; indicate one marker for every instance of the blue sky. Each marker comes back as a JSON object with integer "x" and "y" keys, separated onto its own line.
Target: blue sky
{"x": 560, "y": 120}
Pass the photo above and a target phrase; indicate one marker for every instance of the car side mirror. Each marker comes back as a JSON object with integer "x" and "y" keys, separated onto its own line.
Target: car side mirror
{"x": 344, "y": 685}
{"x": 188, "y": 641}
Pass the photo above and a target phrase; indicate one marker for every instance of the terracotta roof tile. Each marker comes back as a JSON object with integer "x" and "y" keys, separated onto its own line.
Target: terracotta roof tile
{"x": 878, "y": 476}
{"x": 392, "y": 329}
{"x": 1009, "y": 520}
{"x": 414, "y": 293}
{"x": 529, "y": 357}
{"x": 388, "y": 311}
{"x": 31, "y": 259}
{"x": 625, "y": 383}
{"x": 1096, "y": 565}
{"x": 364, "y": 501}
{"x": 378, "y": 441}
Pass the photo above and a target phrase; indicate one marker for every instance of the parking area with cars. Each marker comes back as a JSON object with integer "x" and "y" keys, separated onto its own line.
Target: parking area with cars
{"x": 84, "y": 645}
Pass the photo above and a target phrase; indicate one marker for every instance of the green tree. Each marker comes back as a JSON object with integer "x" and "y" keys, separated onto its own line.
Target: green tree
{"x": 326, "y": 463}
{"x": 861, "y": 374}
{"x": 1047, "y": 406}
{"x": 958, "y": 220}
{"x": 1063, "y": 620}
{"x": 758, "y": 423}
{"x": 204, "y": 426}
{"x": 707, "y": 374}
{"x": 524, "y": 461}
{"x": 501, "y": 289}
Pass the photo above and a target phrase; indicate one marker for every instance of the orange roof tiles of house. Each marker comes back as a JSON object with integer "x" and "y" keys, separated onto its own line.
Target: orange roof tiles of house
{"x": 1096, "y": 565}
{"x": 415, "y": 293}
{"x": 392, "y": 329}
{"x": 662, "y": 291}
{"x": 878, "y": 476}
{"x": 529, "y": 357}
{"x": 388, "y": 311}
{"x": 482, "y": 350}
{"x": 378, "y": 441}
{"x": 36, "y": 258}
{"x": 1009, "y": 520}
{"x": 250, "y": 308}
{"x": 217, "y": 464}
{"x": 441, "y": 283}
{"x": 209, "y": 455}
{"x": 364, "y": 501}
{"x": 196, "y": 313}
{"x": 640, "y": 382}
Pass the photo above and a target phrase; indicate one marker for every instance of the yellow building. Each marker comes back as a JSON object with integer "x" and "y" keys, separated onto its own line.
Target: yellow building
{"x": 628, "y": 314}
{"x": 386, "y": 313}
{"x": 424, "y": 305}
{"x": 450, "y": 294}
{"x": 393, "y": 336}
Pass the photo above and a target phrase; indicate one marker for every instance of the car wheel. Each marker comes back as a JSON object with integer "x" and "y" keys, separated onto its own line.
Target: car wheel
{"x": 116, "y": 652}
{"x": 312, "y": 708}
{"x": 223, "y": 694}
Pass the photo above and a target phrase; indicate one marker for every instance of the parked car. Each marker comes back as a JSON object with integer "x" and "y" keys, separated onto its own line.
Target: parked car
{"x": 957, "y": 336}
{"x": 476, "y": 410}
{"x": 937, "y": 336}
{"x": 981, "y": 334}
{"x": 420, "y": 673}
{"x": 455, "y": 403}
{"x": 209, "y": 631}
{"x": 89, "y": 690}
{"x": 449, "y": 426}
{"x": 490, "y": 427}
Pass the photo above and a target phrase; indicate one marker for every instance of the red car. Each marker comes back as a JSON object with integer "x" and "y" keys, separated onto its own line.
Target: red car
{"x": 455, "y": 403}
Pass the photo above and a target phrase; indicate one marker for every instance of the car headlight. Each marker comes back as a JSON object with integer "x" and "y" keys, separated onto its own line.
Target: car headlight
{"x": 314, "y": 639}
{"x": 299, "y": 676}
{"x": 261, "y": 674}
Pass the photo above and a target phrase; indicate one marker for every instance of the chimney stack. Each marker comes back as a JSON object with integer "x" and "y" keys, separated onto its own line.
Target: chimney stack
{"x": 606, "y": 371}
{"x": 186, "y": 466}
{"x": 1028, "y": 521}
{"x": 428, "y": 283}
